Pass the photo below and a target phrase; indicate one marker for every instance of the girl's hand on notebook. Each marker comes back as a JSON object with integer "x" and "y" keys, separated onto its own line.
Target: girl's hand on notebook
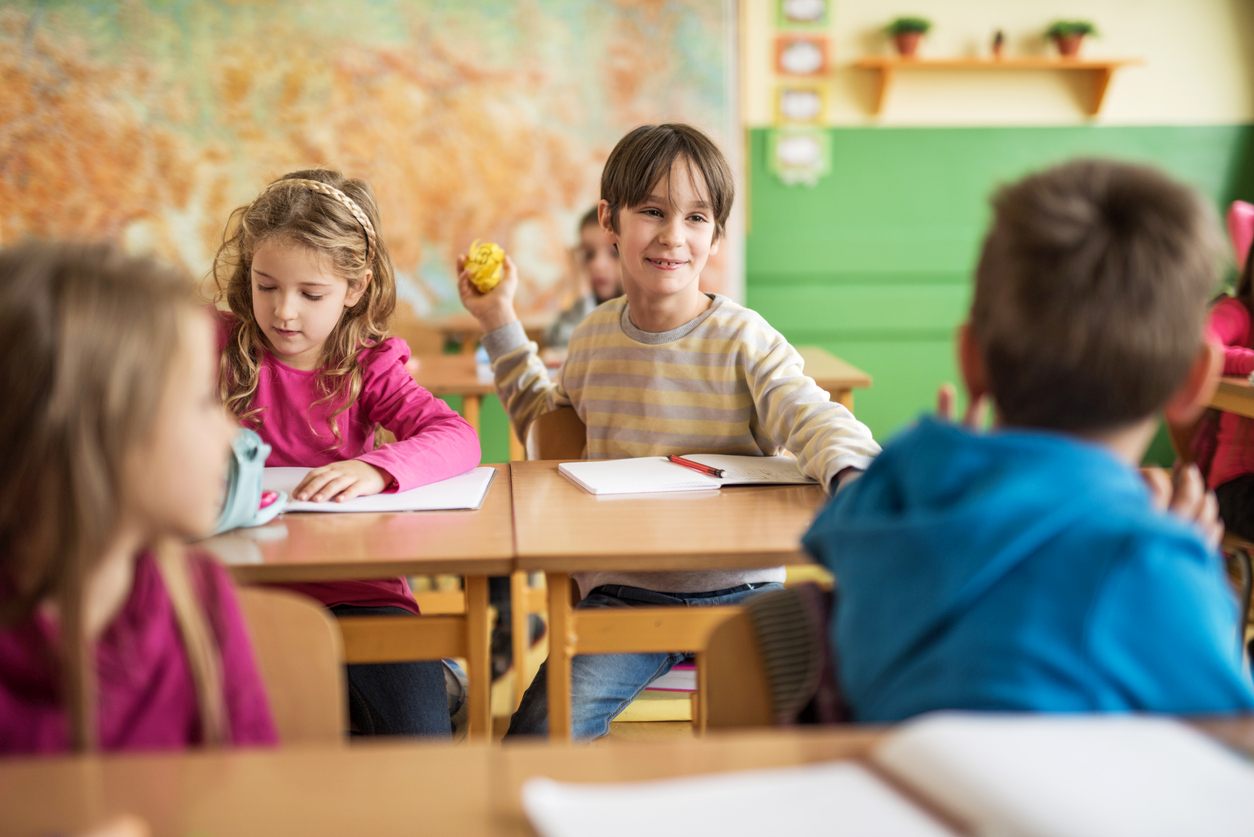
{"x": 976, "y": 415}
{"x": 1184, "y": 494}
{"x": 340, "y": 481}
{"x": 495, "y": 308}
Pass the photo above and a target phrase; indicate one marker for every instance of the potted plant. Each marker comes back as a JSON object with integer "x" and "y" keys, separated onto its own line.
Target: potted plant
{"x": 1068, "y": 34}
{"x": 906, "y": 32}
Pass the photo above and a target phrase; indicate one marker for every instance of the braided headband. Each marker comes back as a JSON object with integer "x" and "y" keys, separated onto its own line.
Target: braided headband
{"x": 348, "y": 203}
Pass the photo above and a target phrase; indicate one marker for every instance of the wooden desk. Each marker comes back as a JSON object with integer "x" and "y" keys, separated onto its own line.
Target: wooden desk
{"x": 458, "y": 375}
{"x": 463, "y": 328}
{"x": 387, "y": 788}
{"x": 831, "y": 373}
{"x": 1234, "y": 395}
{"x": 561, "y": 529}
{"x": 370, "y": 788}
{"x": 328, "y": 547}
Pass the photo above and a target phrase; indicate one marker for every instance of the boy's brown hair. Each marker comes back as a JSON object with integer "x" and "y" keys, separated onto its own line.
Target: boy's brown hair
{"x": 646, "y": 155}
{"x": 1090, "y": 294}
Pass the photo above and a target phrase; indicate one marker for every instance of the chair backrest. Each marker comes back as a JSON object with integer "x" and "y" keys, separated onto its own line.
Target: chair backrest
{"x": 731, "y": 678}
{"x": 300, "y": 657}
{"x": 558, "y": 434}
{"x": 771, "y": 663}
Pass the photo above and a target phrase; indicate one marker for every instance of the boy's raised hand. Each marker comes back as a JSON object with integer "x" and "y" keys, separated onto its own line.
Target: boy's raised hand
{"x": 975, "y": 417}
{"x": 495, "y": 308}
{"x": 1183, "y": 493}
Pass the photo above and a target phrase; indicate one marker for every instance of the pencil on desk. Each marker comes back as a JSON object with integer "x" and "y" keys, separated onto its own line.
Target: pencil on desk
{"x": 696, "y": 466}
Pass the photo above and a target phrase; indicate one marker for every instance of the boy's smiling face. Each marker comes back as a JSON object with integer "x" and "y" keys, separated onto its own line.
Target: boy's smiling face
{"x": 665, "y": 241}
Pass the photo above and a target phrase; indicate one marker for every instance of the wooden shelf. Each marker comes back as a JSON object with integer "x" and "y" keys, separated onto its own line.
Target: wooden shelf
{"x": 1100, "y": 70}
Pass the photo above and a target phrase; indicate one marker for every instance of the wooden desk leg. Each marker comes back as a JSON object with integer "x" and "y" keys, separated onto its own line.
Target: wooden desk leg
{"x": 844, "y": 397}
{"x": 519, "y": 623}
{"x": 471, "y": 405}
{"x": 562, "y": 643}
{"x": 479, "y": 657}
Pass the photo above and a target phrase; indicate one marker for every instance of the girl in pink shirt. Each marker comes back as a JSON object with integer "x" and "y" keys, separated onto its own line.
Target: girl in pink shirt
{"x": 306, "y": 361}
{"x": 113, "y": 449}
{"x": 1231, "y": 472}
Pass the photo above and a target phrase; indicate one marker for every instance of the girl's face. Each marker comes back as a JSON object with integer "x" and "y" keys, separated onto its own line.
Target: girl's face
{"x": 599, "y": 261}
{"x": 298, "y": 299}
{"x": 173, "y": 482}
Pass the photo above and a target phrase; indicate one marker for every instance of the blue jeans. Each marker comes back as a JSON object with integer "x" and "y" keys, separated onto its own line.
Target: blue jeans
{"x": 603, "y": 684}
{"x": 396, "y": 698}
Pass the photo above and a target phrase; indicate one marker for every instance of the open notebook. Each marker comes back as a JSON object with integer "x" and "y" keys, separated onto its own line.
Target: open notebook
{"x": 461, "y": 492}
{"x": 1043, "y": 776}
{"x": 655, "y": 474}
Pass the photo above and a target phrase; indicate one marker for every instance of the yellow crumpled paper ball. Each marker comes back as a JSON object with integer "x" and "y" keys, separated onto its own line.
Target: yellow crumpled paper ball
{"x": 486, "y": 264}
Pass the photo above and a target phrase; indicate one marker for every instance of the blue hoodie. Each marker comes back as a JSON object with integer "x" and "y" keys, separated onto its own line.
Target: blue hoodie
{"x": 1021, "y": 570}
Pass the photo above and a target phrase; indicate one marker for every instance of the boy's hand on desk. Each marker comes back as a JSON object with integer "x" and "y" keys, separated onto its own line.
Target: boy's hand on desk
{"x": 341, "y": 481}
{"x": 495, "y": 308}
{"x": 1184, "y": 494}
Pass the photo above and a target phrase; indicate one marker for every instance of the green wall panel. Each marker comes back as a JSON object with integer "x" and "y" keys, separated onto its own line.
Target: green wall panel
{"x": 915, "y": 199}
{"x": 874, "y": 262}
{"x": 493, "y": 428}
{"x": 811, "y": 312}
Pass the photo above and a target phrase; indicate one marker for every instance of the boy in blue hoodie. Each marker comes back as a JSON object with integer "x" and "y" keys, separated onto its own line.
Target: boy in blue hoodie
{"x": 1032, "y": 568}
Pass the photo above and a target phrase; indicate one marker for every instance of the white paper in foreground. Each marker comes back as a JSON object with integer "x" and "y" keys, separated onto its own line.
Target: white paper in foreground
{"x": 837, "y": 798}
{"x": 1073, "y": 775}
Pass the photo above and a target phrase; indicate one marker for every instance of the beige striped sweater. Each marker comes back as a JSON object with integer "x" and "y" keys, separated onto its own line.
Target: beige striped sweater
{"x": 724, "y": 382}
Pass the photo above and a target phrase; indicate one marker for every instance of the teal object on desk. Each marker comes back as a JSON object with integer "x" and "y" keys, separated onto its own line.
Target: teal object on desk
{"x": 245, "y": 504}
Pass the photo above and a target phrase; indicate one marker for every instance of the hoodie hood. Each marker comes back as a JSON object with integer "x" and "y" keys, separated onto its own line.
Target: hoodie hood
{"x": 944, "y": 513}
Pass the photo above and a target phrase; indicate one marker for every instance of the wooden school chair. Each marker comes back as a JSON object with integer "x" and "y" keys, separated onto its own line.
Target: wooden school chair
{"x": 731, "y": 675}
{"x": 300, "y": 657}
{"x": 764, "y": 665}
{"x": 559, "y": 434}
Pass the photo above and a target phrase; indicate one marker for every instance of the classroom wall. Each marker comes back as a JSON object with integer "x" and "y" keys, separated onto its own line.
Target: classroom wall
{"x": 874, "y": 261}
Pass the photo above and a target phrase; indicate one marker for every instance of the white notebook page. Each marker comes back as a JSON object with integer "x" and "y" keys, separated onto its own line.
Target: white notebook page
{"x": 837, "y": 798}
{"x": 462, "y": 492}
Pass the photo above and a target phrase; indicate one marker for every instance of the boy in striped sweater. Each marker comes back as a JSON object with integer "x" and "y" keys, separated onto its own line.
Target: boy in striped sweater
{"x": 664, "y": 369}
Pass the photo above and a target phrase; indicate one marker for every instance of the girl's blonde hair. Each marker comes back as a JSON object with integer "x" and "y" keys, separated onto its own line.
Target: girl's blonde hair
{"x": 331, "y": 215}
{"x": 87, "y": 340}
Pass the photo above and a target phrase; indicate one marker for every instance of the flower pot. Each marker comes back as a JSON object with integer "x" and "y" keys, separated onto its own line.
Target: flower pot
{"x": 907, "y": 43}
{"x": 1068, "y": 45}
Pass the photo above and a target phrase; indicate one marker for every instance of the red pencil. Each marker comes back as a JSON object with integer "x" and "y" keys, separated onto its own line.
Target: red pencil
{"x": 696, "y": 466}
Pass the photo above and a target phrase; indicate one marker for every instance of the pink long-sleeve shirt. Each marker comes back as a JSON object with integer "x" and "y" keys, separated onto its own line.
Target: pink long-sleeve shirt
{"x": 146, "y": 696}
{"x": 1230, "y": 325}
{"x": 432, "y": 443}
